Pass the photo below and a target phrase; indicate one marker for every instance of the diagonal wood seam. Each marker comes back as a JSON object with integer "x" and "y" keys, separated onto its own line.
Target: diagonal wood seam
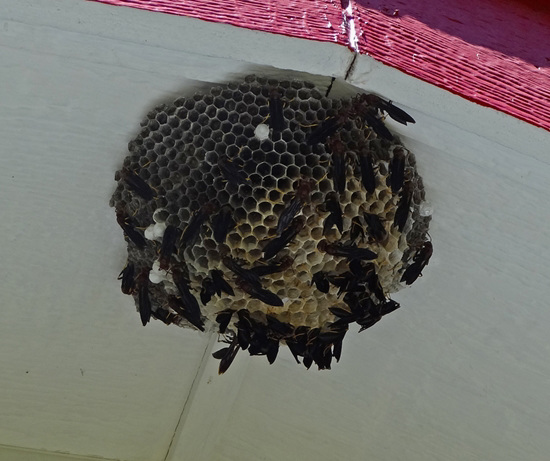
{"x": 194, "y": 388}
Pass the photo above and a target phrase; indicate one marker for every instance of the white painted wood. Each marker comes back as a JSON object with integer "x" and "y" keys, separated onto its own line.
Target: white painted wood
{"x": 209, "y": 411}
{"x": 461, "y": 372}
{"x": 22, "y": 454}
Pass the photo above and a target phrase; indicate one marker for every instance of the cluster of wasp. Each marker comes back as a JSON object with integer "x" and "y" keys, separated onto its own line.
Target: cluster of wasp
{"x": 284, "y": 240}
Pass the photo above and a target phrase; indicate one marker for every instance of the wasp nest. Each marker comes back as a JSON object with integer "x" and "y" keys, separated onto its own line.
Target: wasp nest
{"x": 272, "y": 214}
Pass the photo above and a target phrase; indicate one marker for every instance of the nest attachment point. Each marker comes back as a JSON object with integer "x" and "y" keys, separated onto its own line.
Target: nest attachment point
{"x": 273, "y": 215}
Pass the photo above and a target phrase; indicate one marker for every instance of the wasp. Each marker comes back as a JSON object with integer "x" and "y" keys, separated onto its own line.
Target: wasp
{"x": 268, "y": 269}
{"x": 420, "y": 261}
{"x": 223, "y": 318}
{"x": 403, "y": 207}
{"x": 375, "y": 227}
{"x": 337, "y": 349}
{"x": 226, "y": 355}
{"x": 356, "y": 303}
{"x": 261, "y": 344}
{"x": 144, "y": 302}
{"x": 344, "y": 316}
{"x": 167, "y": 317}
{"x": 245, "y": 327}
{"x": 301, "y": 196}
{"x": 357, "y": 269}
{"x": 215, "y": 284}
{"x": 288, "y": 215}
{"x": 368, "y": 321}
{"x": 324, "y": 130}
{"x": 276, "y": 117}
{"x": 135, "y": 183}
{"x": 397, "y": 170}
{"x": 278, "y": 328}
{"x": 377, "y": 125}
{"x": 222, "y": 224}
{"x": 128, "y": 284}
{"x": 168, "y": 246}
{"x": 220, "y": 284}
{"x": 310, "y": 346}
{"x": 278, "y": 243}
{"x": 345, "y": 282}
{"x": 129, "y": 229}
{"x": 318, "y": 350}
{"x": 389, "y": 305}
{"x": 191, "y": 233}
{"x": 231, "y": 170}
{"x": 346, "y": 251}
{"x": 399, "y": 115}
{"x": 207, "y": 291}
{"x": 247, "y": 275}
{"x": 321, "y": 281}
{"x": 362, "y": 108}
{"x": 338, "y": 164}
{"x": 257, "y": 292}
{"x": 334, "y": 333}
{"x": 356, "y": 229}
{"x": 332, "y": 204}
{"x": 373, "y": 282}
{"x": 187, "y": 312}
{"x": 190, "y": 303}
{"x": 366, "y": 164}
{"x": 297, "y": 342}
{"x": 271, "y": 350}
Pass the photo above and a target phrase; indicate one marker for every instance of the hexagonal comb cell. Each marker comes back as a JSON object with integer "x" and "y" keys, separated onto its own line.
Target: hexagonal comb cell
{"x": 287, "y": 239}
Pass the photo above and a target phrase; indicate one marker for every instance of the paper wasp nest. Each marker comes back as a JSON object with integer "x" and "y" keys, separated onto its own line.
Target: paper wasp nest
{"x": 272, "y": 214}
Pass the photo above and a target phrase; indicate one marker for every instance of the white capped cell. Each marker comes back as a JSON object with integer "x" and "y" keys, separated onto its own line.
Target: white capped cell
{"x": 262, "y": 131}
{"x": 425, "y": 209}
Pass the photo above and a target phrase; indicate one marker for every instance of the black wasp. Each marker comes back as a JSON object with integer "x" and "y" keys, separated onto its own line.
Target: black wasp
{"x": 144, "y": 302}
{"x": 301, "y": 196}
{"x": 135, "y": 183}
{"x": 420, "y": 261}
{"x": 192, "y": 231}
{"x": 366, "y": 164}
{"x": 168, "y": 246}
{"x": 403, "y": 207}
{"x": 276, "y": 118}
{"x": 397, "y": 170}
{"x": 222, "y": 224}
{"x": 278, "y": 243}
{"x": 129, "y": 229}
{"x": 332, "y": 205}
{"x": 128, "y": 284}
{"x": 346, "y": 251}
{"x": 338, "y": 164}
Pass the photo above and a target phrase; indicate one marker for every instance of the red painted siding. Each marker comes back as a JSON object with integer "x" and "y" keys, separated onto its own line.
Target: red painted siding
{"x": 493, "y": 52}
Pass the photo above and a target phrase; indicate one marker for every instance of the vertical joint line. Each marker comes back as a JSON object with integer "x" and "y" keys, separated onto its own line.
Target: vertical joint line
{"x": 330, "y": 87}
{"x": 351, "y": 66}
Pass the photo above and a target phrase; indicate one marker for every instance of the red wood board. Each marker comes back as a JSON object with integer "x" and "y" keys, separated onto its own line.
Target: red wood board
{"x": 492, "y": 52}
